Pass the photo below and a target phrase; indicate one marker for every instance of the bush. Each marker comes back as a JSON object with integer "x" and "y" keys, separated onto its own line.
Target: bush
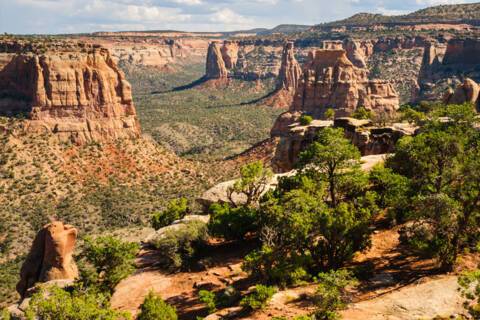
{"x": 181, "y": 246}
{"x": 209, "y": 298}
{"x": 154, "y": 308}
{"x": 362, "y": 114}
{"x": 305, "y": 120}
{"x": 176, "y": 209}
{"x": 106, "y": 261}
{"x": 252, "y": 183}
{"x": 232, "y": 223}
{"x": 53, "y": 303}
{"x": 259, "y": 298}
{"x": 329, "y": 114}
{"x": 469, "y": 283}
{"x": 331, "y": 295}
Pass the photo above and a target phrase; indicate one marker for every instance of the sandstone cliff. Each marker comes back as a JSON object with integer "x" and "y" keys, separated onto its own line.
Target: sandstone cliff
{"x": 330, "y": 80}
{"x": 78, "y": 94}
{"x": 50, "y": 257}
{"x": 447, "y": 65}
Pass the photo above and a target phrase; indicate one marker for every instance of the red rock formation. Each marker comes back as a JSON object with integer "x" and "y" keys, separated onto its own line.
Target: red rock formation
{"x": 290, "y": 70}
{"x": 355, "y": 53}
{"x": 467, "y": 92}
{"x": 80, "y": 95}
{"x": 216, "y": 68}
{"x": 230, "y": 54}
{"x": 462, "y": 51}
{"x": 50, "y": 257}
{"x": 330, "y": 80}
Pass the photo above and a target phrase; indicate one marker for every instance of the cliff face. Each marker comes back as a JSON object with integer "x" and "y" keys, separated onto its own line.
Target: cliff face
{"x": 330, "y": 80}
{"x": 444, "y": 66}
{"x": 462, "y": 51}
{"x": 80, "y": 95}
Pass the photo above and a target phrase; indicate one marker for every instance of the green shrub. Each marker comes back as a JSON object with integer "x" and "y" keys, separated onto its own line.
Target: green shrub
{"x": 176, "y": 209}
{"x": 330, "y": 295}
{"x": 180, "y": 247}
{"x": 259, "y": 298}
{"x": 154, "y": 308}
{"x": 362, "y": 114}
{"x": 5, "y": 315}
{"x": 329, "y": 114}
{"x": 106, "y": 261}
{"x": 209, "y": 298}
{"x": 305, "y": 120}
{"x": 53, "y": 303}
{"x": 254, "y": 178}
{"x": 232, "y": 223}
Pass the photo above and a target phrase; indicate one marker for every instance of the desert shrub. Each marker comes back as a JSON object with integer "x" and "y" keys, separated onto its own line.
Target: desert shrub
{"x": 232, "y": 223}
{"x": 5, "y": 315}
{"x": 329, "y": 114}
{"x": 176, "y": 209}
{"x": 209, "y": 298}
{"x": 362, "y": 114}
{"x": 469, "y": 283}
{"x": 154, "y": 308}
{"x": 254, "y": 178}
{"x": 331, "y": 295}
{"x": 412, "y": 116}
{"x": 259, "y": 298}
{"x": 54, "y": 303}
{"x": 105, "y": 261}
{"x": 305, "y": 119}
{"x": 181, "y": 246}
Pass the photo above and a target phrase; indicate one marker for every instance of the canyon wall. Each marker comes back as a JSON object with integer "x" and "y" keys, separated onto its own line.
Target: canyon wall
{"x": 445, "y": 67}
{"x": 77, "y": 92}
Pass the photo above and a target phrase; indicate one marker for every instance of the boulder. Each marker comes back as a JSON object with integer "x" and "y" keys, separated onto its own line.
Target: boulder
{"x": 50, "y": 257}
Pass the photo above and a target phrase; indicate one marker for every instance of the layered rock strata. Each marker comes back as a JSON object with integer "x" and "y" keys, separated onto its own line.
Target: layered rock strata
{"x": 330, "y": 80}
{"x": 50, "y": 257}
{"x": 80, "y": 95}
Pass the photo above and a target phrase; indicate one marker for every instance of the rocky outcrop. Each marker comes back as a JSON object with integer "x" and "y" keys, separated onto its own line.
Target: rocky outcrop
{"x": 467, "y": 92}
{"x": 50, "y": 257}
{"x": 230, "y": 54}
{"x": 330, "y": 80}
{"x": 355, "y": 53}
{"x": 290, "y": 70}
{"x": 216, "y": 68}
{"x": 79, "y": 95}
{"x": 368, "y": 138}
{"x": 462, "y": 51}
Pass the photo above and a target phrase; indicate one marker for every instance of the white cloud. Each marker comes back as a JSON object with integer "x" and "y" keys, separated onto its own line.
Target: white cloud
{"x": 62, "y": 16}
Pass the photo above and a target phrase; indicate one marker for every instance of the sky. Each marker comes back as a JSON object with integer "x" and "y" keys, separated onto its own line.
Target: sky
{"x": 78, "y": 16}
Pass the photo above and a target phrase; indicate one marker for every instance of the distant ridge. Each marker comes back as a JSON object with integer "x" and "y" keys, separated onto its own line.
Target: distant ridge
{"x": 456, "y": 13}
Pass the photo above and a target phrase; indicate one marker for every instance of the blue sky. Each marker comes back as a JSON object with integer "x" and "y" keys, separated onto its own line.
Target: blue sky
{"x": 75, "y": 16}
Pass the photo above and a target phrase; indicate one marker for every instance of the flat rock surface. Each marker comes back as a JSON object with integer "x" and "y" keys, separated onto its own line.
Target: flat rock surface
{"x": 423, "y": 300}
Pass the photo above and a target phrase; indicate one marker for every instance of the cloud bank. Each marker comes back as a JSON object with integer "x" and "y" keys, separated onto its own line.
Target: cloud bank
{"x": 77, "y": 16}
